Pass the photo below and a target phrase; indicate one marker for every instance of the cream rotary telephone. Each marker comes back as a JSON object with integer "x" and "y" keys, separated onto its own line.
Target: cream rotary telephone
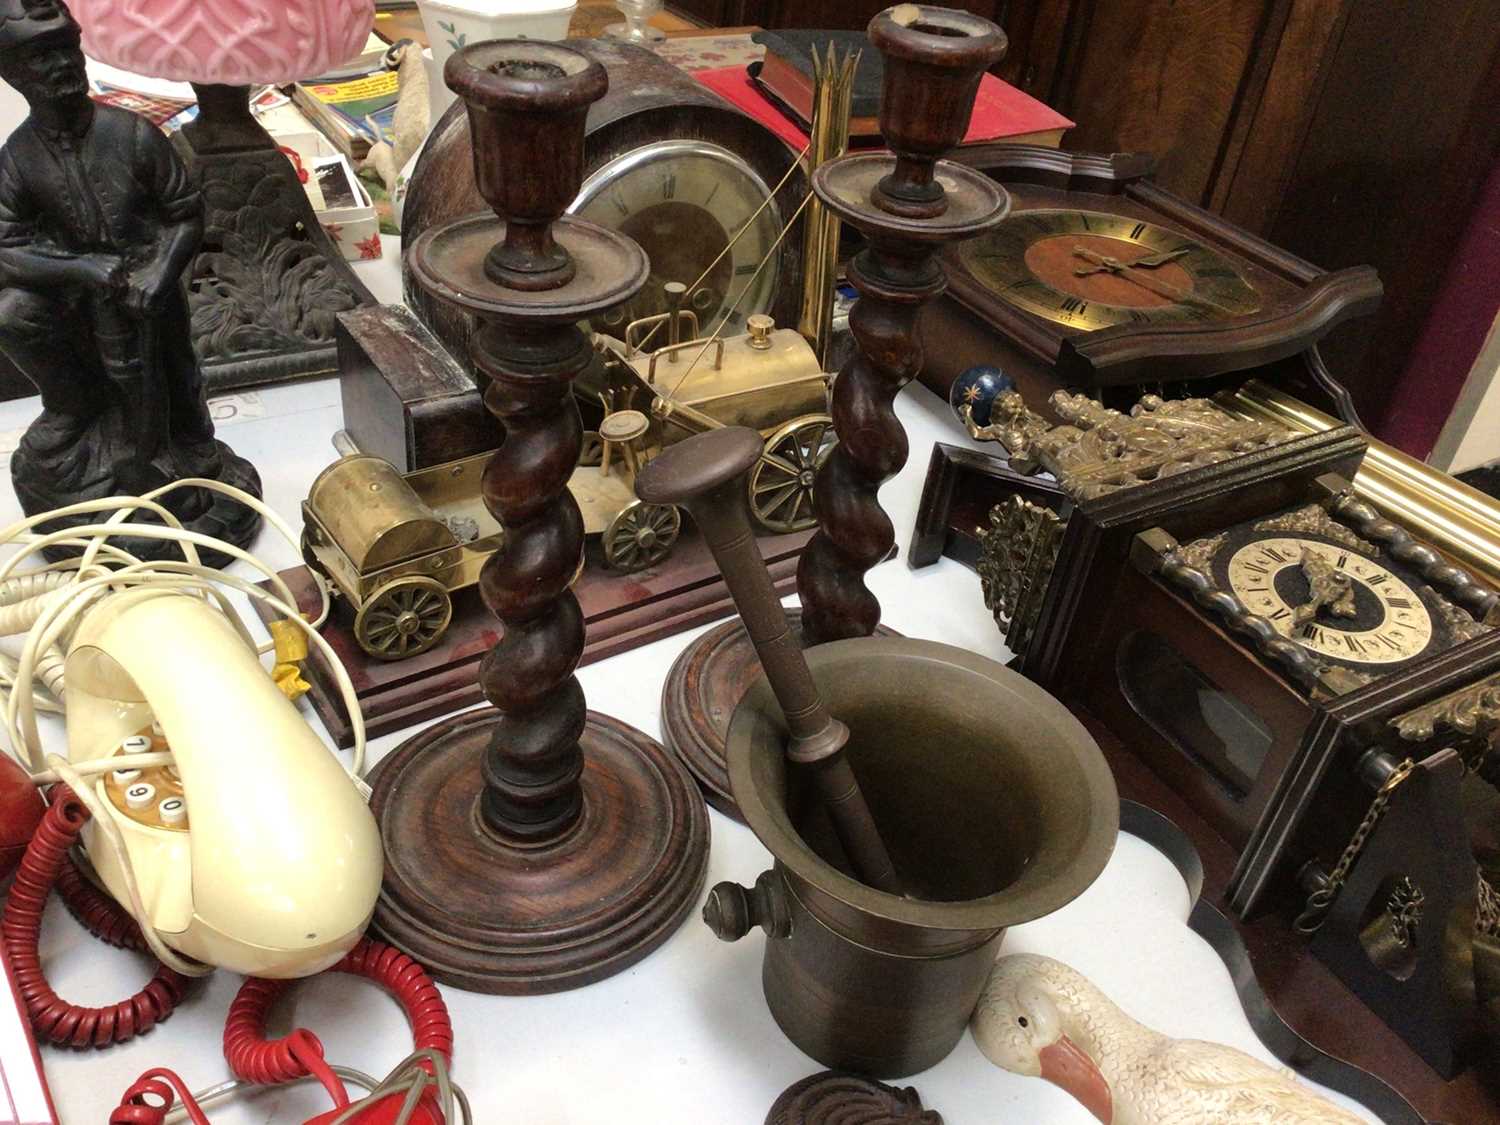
{"x": 220, "y": 821}
{"x": 252, "y": 850}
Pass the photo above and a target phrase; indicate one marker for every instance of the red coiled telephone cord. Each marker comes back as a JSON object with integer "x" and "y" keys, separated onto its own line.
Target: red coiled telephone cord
{"x": 250, "y": 1055}
{"x": 254, "y": 1058}
{"x": 57, "y": 1021}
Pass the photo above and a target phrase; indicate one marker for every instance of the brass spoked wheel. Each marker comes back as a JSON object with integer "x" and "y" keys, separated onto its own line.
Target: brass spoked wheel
{"x": 403, "y": 618}
{"x": 781, "y": 484}
{"x": 640, "y": 535}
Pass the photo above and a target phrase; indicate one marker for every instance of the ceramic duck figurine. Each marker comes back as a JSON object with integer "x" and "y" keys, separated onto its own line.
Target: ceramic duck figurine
{"x": 1039, "y": 1017}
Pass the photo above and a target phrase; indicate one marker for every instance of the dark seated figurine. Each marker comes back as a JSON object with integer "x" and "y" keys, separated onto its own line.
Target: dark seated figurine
{"x": 97, "y": 222}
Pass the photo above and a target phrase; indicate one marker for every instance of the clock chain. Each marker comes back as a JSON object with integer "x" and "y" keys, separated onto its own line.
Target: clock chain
{"x": 1320, "y": 901}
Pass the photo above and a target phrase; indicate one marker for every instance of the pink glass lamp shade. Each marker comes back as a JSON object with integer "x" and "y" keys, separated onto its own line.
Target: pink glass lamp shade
{"x": 225, "y": 42}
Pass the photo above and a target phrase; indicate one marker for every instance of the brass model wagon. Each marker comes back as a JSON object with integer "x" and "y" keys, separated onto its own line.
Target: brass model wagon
{"x": 397, "y": 547}
{"x": 768, "y": 379}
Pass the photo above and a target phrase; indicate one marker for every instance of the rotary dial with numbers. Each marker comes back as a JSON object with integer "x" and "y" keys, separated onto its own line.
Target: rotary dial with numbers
{"x": 1088, "y": 270}
{"x": 684, "y": 201}
{"x": 1331, "y": 599}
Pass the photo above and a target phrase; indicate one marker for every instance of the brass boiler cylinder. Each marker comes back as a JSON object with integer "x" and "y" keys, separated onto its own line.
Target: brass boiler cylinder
{"x": 373, "y": 514}
{"x": 995, "y": 803}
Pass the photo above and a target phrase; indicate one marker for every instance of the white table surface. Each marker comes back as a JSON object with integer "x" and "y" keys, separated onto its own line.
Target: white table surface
{"x": 684, "y": 1036}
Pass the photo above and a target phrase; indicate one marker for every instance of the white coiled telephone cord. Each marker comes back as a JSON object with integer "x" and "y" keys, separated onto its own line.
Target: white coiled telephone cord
{"x": 44, "y": 603}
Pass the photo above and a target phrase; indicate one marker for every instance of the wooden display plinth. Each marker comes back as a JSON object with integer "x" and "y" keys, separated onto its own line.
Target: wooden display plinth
{"x": 622, "y": 612}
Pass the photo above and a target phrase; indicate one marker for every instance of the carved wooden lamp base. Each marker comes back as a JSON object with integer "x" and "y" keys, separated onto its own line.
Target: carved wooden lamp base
{"x": 487, "y": 915}
{"x": 703, "y": 688}
{"x": 262, "y": 237}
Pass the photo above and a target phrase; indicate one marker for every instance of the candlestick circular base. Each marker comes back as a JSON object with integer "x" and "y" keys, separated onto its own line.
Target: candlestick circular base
{"x": 705, "y": 685}
{"x": 491, "y": 916}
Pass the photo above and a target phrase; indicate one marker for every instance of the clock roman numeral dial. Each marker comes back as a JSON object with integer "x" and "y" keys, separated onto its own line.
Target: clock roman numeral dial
{"x": 1388, "y": 623}
{"x": 1088, "y": 270}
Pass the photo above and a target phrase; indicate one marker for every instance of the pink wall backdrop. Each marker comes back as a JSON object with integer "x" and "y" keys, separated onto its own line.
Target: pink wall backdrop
{"x": 234, "y": 42}
{"x": 1453, "y": 335}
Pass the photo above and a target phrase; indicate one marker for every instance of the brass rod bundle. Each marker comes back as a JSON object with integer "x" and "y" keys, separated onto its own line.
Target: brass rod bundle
{"x": 1461, "y": 522}
{"x": 833, "y": 93}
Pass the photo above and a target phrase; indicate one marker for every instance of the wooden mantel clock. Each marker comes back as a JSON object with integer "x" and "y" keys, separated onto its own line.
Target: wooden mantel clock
{"x": 666, "y": 162}
{"x": 1272, "y": 664}
{"x": 1099, "y": 279}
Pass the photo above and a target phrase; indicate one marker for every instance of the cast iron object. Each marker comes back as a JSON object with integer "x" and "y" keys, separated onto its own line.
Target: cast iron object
{"x": 516, "y": 862}
{"x": 100, "y": 221}
{"x": 832, "y": 1098}
{"x": 708, "y": 478}
{"x": 934, "y": 58}
{"x": 995, "y": 803}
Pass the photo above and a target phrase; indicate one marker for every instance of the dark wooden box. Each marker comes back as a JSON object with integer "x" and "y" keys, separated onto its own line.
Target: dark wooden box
{"x": 405, "y": 398}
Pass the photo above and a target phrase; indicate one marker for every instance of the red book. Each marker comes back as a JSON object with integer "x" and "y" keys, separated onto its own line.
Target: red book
{"x": 1001, "y": 112}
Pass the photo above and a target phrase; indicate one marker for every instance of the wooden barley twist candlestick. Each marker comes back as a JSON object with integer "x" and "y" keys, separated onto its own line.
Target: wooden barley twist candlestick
{"x": 934, "y": 58}
{"x": 537, "y": 846}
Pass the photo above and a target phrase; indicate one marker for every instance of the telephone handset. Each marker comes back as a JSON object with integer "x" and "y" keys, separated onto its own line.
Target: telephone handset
{"x": 251, "y": 849}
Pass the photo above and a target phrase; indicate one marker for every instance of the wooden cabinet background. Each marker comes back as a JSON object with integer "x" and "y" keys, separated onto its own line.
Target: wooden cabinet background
{"x": 1347, "y": 131}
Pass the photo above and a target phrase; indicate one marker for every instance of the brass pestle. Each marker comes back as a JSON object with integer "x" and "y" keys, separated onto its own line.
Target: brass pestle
{"x": 706, "y": 475}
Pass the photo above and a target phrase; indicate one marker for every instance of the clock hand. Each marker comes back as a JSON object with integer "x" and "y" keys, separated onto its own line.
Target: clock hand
{"x": 1326, "y": 586}
{"x": 1146, "y": 281}
{"x": 1150, "y": 261}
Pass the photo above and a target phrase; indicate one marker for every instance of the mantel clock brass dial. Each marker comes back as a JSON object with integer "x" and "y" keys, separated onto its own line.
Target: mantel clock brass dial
{"x": 1345, "y": 599}
{"x": 1088, "y": 269}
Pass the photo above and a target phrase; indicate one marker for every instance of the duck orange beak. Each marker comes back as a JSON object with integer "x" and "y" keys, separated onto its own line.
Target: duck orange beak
{"x": 1065, "y": 1065}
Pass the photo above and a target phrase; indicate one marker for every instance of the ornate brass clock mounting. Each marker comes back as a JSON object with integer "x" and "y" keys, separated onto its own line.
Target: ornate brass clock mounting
{"x": 1093, "y": 451}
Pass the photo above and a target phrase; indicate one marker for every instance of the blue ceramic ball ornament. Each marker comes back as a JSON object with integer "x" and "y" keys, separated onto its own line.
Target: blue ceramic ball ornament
{"x": 977, "y": 388}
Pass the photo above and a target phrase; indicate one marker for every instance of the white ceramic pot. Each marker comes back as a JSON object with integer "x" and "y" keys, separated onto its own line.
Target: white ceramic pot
{"x": 452, "y": 24}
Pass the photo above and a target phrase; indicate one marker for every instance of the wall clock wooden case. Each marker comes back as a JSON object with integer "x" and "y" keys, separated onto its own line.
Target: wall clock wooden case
{"x": 1099, "y": 279}
{"x": 1261, "y": 654}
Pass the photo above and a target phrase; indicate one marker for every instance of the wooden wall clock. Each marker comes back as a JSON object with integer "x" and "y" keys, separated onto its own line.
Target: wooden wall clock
{"x": 1099, "y": 279}
{"x": 1260, "y": 654}
{"x": 670, "y": 164}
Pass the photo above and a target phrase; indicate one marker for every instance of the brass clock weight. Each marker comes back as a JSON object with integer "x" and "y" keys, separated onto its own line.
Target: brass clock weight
{"x": 532, "y": 846}
{"x": 908, "y": 828}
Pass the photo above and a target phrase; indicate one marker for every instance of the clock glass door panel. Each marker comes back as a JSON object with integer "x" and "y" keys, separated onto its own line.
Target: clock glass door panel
{"x": 1208, "y": 724}
{"x": 1190, "y": 702}
{"x": 700, "y": 212}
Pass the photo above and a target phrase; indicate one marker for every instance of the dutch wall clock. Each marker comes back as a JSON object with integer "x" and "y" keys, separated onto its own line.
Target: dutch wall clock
{"x": 1101, "y": 279}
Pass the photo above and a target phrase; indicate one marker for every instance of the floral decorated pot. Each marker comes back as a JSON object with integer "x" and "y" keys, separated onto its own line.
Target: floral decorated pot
{"x": 452, "y": 24}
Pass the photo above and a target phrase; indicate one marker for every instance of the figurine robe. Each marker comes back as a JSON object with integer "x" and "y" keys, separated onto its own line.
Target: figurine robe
{"x": 98, "y": 220}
